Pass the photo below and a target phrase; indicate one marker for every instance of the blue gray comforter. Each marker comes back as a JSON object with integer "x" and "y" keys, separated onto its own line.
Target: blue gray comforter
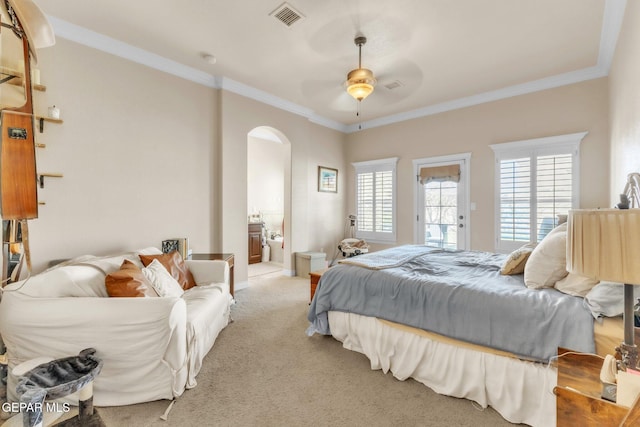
{"x": 460, "y": 294}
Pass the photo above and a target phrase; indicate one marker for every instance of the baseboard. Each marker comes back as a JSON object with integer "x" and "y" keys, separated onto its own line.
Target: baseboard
{"x": 240, "y": 285}
{"x": 289, "y": 273}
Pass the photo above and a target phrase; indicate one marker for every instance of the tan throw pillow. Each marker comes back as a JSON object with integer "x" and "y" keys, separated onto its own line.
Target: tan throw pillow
{"x": 575, "y": 284}
{"x": 175, "y": 265}
{"x": 548, "y": 262}
{"x": 515, "y": 262}
{"x": 128, "y": 282}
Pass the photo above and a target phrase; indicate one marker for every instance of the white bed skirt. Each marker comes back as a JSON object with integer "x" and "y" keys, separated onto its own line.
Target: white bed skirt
{"x": 520, "y": 391}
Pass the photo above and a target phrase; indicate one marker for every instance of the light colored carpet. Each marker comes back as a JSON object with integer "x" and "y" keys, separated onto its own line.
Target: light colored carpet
{"x": 264, "y": 371}
{"x": 262, "y": 268}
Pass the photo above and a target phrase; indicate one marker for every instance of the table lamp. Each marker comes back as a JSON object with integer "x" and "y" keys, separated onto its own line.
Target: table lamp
{"x": 604, "y": 244}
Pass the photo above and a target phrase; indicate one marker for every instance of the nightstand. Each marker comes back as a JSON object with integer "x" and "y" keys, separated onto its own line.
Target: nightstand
{"x": 315, "y": 278}
{"x": 578, "y": 401}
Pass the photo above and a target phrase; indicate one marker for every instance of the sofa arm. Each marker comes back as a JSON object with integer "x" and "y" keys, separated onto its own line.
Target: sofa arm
{"x": 209, "y": 271}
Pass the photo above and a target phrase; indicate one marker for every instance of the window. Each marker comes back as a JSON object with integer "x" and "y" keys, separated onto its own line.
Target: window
{"x": 536, "y": 180}
{"x": 376, "y": 200}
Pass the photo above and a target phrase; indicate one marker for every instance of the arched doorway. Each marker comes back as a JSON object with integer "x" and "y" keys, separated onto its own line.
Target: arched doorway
{"x": 268, "y": 201}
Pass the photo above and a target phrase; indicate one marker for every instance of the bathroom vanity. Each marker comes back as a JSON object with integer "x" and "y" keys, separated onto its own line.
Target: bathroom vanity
{"x": 255, "y": 242}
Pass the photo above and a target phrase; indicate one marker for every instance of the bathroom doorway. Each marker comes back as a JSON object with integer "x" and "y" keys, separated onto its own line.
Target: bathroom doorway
{"x": 268, "y": 166}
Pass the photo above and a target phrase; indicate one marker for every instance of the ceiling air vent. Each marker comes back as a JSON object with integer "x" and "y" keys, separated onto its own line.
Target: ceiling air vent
{"x": 394, "y": 85}
{"x": 286, "y": 14}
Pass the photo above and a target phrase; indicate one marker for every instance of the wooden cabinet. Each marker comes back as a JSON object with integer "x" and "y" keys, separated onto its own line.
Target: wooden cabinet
{"x": 255, "y": 243}
{"x": 578, "y": 395}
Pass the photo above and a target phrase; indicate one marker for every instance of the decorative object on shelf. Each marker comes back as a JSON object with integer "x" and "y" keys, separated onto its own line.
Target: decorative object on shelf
{"x": 53, "y": 112}
{"x": 327, "y": 179}
{"x": 180, "y": 244}
{"x": 169, "y": 245}
{"x": 603, "y": 245}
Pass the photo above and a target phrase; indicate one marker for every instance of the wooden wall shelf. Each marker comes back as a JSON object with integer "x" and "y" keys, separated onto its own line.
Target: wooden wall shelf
{"x": 43, "y": 119}
{"x": 42, "y": 176}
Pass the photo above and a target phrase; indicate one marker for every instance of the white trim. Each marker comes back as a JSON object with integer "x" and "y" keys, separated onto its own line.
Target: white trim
{"x": 537, "y": 143}
{"x": 482, "y": 98}
{"x": 81, "y": 35}
{"x": 368, "y": 163}
{"x": 465, "y": 159}
{"x": 611, "y": 23}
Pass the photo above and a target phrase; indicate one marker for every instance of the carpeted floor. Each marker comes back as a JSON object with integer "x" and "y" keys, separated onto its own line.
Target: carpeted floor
{"x": 264, "y": 371}
{"x": 262, "y": 268}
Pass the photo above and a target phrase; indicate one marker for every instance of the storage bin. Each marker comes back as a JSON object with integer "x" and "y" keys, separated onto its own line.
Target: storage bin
{"x": 306, "y": 262}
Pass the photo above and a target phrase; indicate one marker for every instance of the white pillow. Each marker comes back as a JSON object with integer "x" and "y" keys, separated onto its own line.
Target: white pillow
{"x": 607, "y": 299}
{"x": 548, "y": 262}
{"x": 575, "y": 284}
{"x": 161, "y": 280}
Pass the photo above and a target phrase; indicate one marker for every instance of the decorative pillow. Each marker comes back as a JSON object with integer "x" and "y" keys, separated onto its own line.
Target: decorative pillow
{"x": 175, "y": 265}
{"x": 547, "y": 263}
{"x": 129, "y": 281}
{"x": 575, "y": 284}
{"x": 164, "y": 284}
{"x": 607, "y": 299}
{"x": 514, "y": 264}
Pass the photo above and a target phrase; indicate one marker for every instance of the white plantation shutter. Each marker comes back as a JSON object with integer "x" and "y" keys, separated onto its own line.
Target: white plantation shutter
{"x": 537, "y": 180}
{"x": 375, "y": 200}
{"x": 515, "y": 199}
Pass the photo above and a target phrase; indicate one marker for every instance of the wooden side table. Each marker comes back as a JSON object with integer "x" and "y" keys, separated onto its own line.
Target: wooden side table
{"x": 224, "y": 257}
{"x": 578, "y": 395}
{"x": 315, "y": 278}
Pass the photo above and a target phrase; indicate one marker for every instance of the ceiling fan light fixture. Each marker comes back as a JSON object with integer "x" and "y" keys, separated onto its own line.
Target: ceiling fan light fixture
{"x": 360, "y": 82}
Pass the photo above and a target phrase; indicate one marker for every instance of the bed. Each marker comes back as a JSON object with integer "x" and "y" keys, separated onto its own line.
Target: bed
{"x": 452, "y": 321}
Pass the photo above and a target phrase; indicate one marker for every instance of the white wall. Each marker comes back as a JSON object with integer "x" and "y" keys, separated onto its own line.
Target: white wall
{"x": 306, "y": 226}
{"x": 568, "y": 109}
{"x": 624, "y": 83}
{"x": 137, "y": 153}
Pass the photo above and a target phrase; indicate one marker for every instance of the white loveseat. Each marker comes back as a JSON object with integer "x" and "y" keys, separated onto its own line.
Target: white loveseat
{"x": 152, "y": 348}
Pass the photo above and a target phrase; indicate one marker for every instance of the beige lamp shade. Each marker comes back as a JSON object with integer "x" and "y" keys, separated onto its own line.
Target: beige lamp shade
{"x": 604, "y": 244}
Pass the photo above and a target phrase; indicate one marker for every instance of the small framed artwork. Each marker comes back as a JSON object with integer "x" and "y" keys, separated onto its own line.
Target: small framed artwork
{"x": 327, "y": 179}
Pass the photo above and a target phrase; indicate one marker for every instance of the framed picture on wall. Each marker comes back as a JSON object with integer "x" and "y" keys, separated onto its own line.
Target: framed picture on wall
{"x": 327, "y": 179}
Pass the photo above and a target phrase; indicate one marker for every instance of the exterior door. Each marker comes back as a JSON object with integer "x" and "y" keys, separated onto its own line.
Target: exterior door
{"x": 442, "y": 201}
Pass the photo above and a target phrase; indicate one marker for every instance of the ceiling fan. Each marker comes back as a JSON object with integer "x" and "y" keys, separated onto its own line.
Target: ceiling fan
{"x": 360, "y": 82}
{"x": 395, "y": 79}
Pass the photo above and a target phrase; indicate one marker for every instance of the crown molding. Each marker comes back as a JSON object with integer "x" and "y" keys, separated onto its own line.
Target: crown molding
{"x": 611, "y": 24}
{"x": 86, "y": 37}
{"x": 481, "y": 98}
